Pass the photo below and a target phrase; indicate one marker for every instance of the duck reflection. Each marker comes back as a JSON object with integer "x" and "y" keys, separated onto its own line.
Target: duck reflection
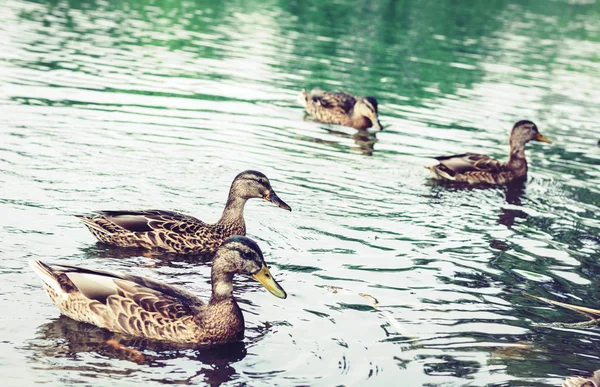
{"x": 363, "y": 139}
{"x": 69, "y": 339}
{"x": 158, "y": 259}
{"x": 102, "y": 250}
{"x": 514, "y": 192}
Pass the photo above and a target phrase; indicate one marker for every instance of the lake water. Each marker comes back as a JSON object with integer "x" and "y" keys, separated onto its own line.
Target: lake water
{"x": 159, "y": 104}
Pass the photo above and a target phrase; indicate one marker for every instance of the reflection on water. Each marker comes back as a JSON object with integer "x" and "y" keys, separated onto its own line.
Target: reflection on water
{"x": 68, "y": 339}
{"x": 509, "y": 210}
{"x": 153, "y": 258}
{"x": 514, "y": 192}
{"x": 156, "y": 104}
{"x": 364, "y": 140}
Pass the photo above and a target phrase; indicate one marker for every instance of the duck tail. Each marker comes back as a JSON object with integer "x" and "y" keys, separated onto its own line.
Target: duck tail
{"x": 90, "y": 223}
{"x": 439, "y": 174}
{"x": 302, "y": 97}
{"x": 48, "y": 276}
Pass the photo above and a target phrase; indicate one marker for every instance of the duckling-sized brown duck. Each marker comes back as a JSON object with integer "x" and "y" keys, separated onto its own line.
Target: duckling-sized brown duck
{"x": 143, "y": 307}
{"x": 178, "y": 233}
{"x": 341, "y": 108}
{"x": 472, "y": 168}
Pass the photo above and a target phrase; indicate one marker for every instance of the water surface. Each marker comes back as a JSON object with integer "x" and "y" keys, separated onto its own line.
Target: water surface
{"x": 159, "y": 104}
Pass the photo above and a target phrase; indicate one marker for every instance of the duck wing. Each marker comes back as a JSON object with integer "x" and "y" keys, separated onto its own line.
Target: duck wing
{"x": 469, "y": 162}
{"x": 99, "y": 285}
{"x": 150, "y": 220}
{"x": 126, "y": 303}
{"x": 128, "y": 296}
{"x": 334, "y": 100}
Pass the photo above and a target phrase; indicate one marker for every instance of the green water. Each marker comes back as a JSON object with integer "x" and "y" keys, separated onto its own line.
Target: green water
{"x": 159, "y": 104}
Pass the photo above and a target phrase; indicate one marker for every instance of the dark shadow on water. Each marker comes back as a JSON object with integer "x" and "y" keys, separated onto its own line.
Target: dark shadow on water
{"x": 514, "y": 193}
{"x": 364, "y": 139}
{"x": 101, "y": 250}
{"x": 68, "y": 339}
{"x": 159, "y": 259}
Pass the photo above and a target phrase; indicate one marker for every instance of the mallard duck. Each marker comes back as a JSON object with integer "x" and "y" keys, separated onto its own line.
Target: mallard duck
{"x": 472, "y": 168}
{"x": 143, "y": 307}
{"x": 178, "y": 233}
{"x": 341, "y": 108}
{"x": 593, "y": 381}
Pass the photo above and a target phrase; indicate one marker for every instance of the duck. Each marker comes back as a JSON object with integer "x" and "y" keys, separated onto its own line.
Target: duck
{"x": 341, "y": 108}
{"x": 178, "y": 233}
{"x": 146, "y": 308}
{"x": 473, "y": 168}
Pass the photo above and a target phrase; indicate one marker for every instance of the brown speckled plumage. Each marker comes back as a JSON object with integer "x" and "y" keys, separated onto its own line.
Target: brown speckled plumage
{"x": 144, "y": 307}
{"x": 341, "y": 108}
{"x": 593, "y": 381}
{"x": 178, "y": 233}
{"x": 472, "y": 168}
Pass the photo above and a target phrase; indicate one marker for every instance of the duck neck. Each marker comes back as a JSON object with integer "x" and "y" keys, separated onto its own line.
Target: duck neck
{"x": 233, "y": 214}
{"x": 517, "y": 162}
{"x": 359, "y": 121}
{"x": 222, "y": 315}
{"x": 222, "y": 285}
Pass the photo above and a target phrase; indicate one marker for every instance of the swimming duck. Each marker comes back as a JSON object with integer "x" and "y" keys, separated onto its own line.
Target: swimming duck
{"x": 472, "y": 168}
{"x": 174, "y": 232}
{"x": 143, "y": 307}
{"x": 341, "y": 108}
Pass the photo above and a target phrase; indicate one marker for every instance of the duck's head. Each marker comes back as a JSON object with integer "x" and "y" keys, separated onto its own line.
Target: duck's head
{"x": 525, "y": 131}
{"x": 253, "y": 184}
{"x": 241, "y": 255}
{"x": 367, "y": 107}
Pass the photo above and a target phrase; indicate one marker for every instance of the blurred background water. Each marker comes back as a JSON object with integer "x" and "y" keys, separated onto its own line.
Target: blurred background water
{"x": 160, "y": 103}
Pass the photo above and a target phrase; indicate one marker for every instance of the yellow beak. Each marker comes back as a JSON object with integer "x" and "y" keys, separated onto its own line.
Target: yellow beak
{"x": 266, "y": 279}
{"x": 542, "y": 138}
